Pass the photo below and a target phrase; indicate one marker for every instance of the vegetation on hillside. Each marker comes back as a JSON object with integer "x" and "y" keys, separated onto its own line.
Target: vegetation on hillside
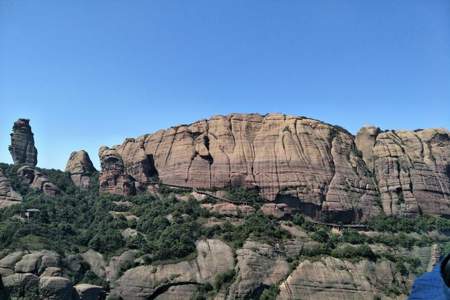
{"x": 167, "y": 228}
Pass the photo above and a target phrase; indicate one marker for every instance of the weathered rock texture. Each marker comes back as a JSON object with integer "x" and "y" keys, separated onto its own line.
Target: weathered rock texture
{"x": 37, "y": 180}
{"x": 8, "y": 196}
{"x": 80, "y": 168}
{"x": 312, "y": 165}
{"x": 113, "y": 178}
{"x": 146, "y": 282}
{"x": 259, "y": 265}
{"x": 412, "y": 169}
{"x": 331, "y": 278}
{"x": 22, "y": 147}
{"x": 319, "y": 169}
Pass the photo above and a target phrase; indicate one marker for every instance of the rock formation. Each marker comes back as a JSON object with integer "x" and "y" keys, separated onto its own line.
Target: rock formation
{"x": 8, "y": 196}
{"x": 113, "y": 178}
{"x": 412, "y": 169}
{"x": 80, "y": 168}
{"x": 37, "y": 180}
{"x": 312, "y": 165}
{"x": 22, "y": 147}
{"x": 145, "y": 282}
{"x": 43, "y": 275}
{"x": 319, "y": 169}
{"x": 331, "y": 278}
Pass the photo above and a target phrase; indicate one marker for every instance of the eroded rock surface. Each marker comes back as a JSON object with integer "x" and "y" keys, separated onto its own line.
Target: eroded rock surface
{"x": 80, "y": 168}
{"x": 22, "y": 147}
{"x": 310, "y": 164}
{"x": 412, "y": 169}
{"x": 331, "y": 278}
{"x": 258, "y": 265}
{"x": 37, "y": 180}
{"x": 214, "y": 258}
{"x": 113, "y": 178}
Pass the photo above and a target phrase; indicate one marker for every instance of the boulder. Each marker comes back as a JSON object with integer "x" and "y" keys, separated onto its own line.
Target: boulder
{"x": 37, "y": 262}
{"x": 22, "y": 285}
{"x": 37, "y": 180}
{"x": 90, "y": 292}
{"x": 118, "y": 264}
{"x": 276, "y": 210}
{"x": 95, "y": 261}
{"x": 56, "y": 288}
{"x": 8, "y": 196}
{"x": 80, "y": 168}
{"x": 143, "y": 282}
{"x": 22, "y": 147}
{"x": 331, "y": 278}
{"x": 10, "y": 260}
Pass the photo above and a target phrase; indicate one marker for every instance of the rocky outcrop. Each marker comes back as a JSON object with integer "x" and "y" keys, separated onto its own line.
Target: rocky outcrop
{"x": 331, "y": 278}
{"x": 412, "y": 169}
{"x": 22, "y": 147}
{"x": 309, "y": 164}
{"x": 37, "y": 180}
{"x": 56, "y": 288}
{"x": 146, "y": 282}
{"x": 259, "y": 265}
{"x": 90, "y": 292}
{"x": 319, "y": 169}
{"x": 44, "y": 274}
{"x": 113, "y": 178}
{"x": 80, "y": 168}
{"x": 8, "y": 196}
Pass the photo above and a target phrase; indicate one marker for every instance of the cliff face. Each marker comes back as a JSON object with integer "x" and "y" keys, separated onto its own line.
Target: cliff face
{"x": 311, "y": 165}
{"x": 412, "y": 169}
{"x": 22, "y": 147}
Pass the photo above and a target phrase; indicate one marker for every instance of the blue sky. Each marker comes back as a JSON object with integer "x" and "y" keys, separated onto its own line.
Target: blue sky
{"x": 89, "y": 73}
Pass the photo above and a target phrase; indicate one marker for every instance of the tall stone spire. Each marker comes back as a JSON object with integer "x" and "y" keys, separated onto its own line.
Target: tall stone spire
{"x": 22, "y": 147}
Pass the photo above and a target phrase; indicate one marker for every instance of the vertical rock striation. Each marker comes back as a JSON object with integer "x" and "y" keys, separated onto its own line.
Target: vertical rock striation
{"x": 22, "y": 147}
{"x": 311, "y": 165}
{"x": 412, "y": 170}
{"x": 319, "y": 169}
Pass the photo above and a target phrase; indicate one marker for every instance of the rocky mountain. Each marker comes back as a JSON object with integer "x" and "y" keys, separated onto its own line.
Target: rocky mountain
{"x": 22, "y": 147}
{"x": 234, "y": 207}
{"x": 319, "y": 169}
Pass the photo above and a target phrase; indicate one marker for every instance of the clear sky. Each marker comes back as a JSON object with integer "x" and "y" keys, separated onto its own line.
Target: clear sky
{"x": 89, "y": 73}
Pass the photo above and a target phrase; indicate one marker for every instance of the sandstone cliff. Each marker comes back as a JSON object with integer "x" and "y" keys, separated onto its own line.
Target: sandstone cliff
{"x": 310, "y": 164}
{"x": 320, "y": 169}
{"x": 412, "y": 169}
{"x": 22, "y": 147}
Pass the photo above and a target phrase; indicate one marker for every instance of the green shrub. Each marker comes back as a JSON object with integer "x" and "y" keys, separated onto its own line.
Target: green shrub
{"x": 223, "y": 279}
